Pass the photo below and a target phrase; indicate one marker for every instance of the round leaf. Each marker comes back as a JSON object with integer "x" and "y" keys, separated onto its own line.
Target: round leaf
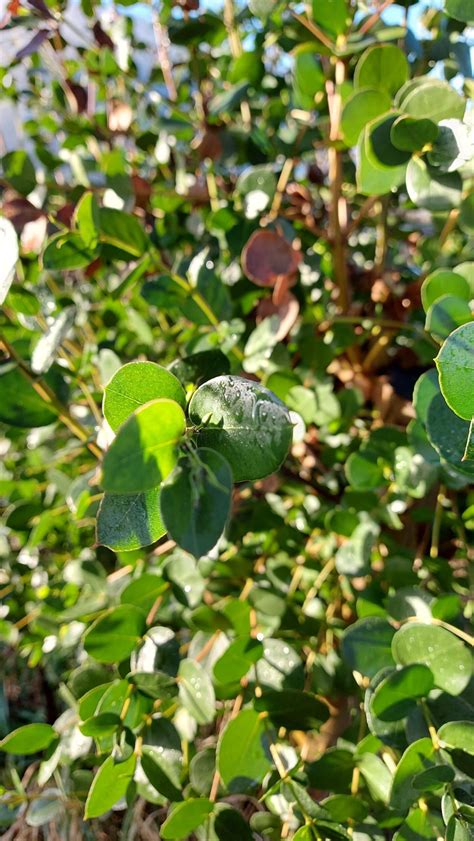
{"x": 448, "y": 434}
{"x": 431, "y": 189}
{"x": 445, "y": 655}
{"x": 135, "y": 384}
{"x": 455, "y": 363}
{"x": 458, "y": 735}
{"x": 366, "y": 645}
{"x": 443, "y": 282}
{"x": 396, "y": 695}
{"x": 195, "y": 500}
{"x": 382, "y": 67}
{"x": 237, "y": 659}
{"x": 362, "y": 107}
{"x": 411, "y": 134}
{"x": 245, "y": 422}
{"x": 445, "y": 315}
{"x": 145, "y": 449}
{"x": 115, "y": 634}
{"x": 128, "y": 521}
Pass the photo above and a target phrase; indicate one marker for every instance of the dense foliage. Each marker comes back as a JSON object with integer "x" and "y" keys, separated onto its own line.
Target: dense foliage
{"x": 236, "y": 403}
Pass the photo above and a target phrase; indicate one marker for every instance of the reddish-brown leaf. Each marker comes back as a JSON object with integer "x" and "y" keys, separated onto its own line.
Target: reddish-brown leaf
{"x": 268, "y": 258}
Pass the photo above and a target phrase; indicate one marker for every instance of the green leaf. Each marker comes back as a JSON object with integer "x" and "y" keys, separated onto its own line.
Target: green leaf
{"x": 110, "y": 784}
{"x": 9, "y": 250}
{"x": 100, "y": 725}
{"x": 237, "y": 659}
{"x": 420, "y": 824}
{"x": 185, "y": 818}
{"x": 308, "y": 74}
{"x": 458, "y": 829}
{"x": 135, "y": 384}
{"x": 397, "y": 694}
{"x": 460, "y": 10}
{"x": 353, "y": 557}
{"x": 200, "y": 367}
{"x": 245, "y": 422}
{"x": 19, "y": 171}
{"x": 448, "y": 434}
{"x": 458, "y": 735}
{"x": 445, "y": 315}
{"x": 418, "y": 757}
{"x": 434, "y": 778}
{"x": 333, "y": 15}
{"x": 253, "y": 178}
{"x": 455, "y": 363}
{"x": 114, "y": 635}
{"x": 363, "y": 470}
{"x": 383, "y": 67}
{"x": 293, "y": 709}
{"x": 376, "y": 775}
{"x": 445, "y": 655}
{"x": 434, "y": 100}
{"x": 466, "y": 214}
{"x": 360, "y": 109}
{"x": 86, "y": 216}
{"x": 366, "y": 645}
{"x": 122, "y": 231}
{"x": 379, "y": 148}
{"x": 28, "y": 739}
{"x": 47, "y": 807}
{"x": 47, "y": 346}
{"x": 443, "y": 282}
{"x": 243, "y": 757}
{"x": 144, "y": 591}
{"x": 21, "y": 405}
{"x": 412, "y": 134}
{"x": 196, "y": 692}
{"x": 375, "y": 180}
{"x": 162, "y": 770}
{"x": 67, "y": 252}
{"x": 128, "y": 521}
{"x": 431, "y": 189}
{"x": 195, "y": 500}
{"x": 145, "y": 449}
{"x": 155, "y": 684}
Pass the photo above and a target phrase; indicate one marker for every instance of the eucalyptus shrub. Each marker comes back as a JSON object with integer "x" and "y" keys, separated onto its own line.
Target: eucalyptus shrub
{"x": 237, "y": 400}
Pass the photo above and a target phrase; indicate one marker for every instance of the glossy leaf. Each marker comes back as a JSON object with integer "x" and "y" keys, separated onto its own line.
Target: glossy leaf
{"x": 185, "y": 818}
{"x": 429, "y": 188}
{"x": 135, "y": 384}
{"x": 366, "y": 645}
{"x": 243, "y": 421}
{"x": 195, "y": 500}
{"x": 361, "y": 108}
{"x": 383, "y": 67}
{"x": 442, "y": 652}
{"x": 114, "y": 635}
{"x": 243, "y": 758}
{"x": 458, "y": 735}
{"x": 443, "y": 282}
{"x": 128, "y": 521}
{"x": 110, "y": 784}
{"x": 455, "y": 363}
{"x": 397, "y": 694}
{"x": 145, "y": 449}
{"x": 237, "y": 659}
{"x": 196, "y": 692}
{"x": 28, "y": 739}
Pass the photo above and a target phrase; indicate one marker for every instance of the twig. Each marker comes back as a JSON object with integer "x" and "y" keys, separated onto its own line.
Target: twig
{"x": 338, "y": 208}
{"x": 369, "y": 22}
{"x": 162, "y": 45}
{"x": 318, "y": 33}
{"x": 279, "y": 192}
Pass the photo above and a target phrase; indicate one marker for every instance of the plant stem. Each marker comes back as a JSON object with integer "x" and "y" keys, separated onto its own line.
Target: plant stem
{"x": 48, "y": 395}
{"x": 338, "y": 208}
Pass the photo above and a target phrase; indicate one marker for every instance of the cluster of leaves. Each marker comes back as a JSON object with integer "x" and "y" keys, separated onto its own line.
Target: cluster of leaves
{"x": 235, "y": 603}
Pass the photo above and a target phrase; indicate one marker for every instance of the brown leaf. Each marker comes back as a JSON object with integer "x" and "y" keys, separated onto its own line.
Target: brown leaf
{"x": 101, "y": 37}
{"x": 20, "y": 212}
{"x": 268, "y": 258}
